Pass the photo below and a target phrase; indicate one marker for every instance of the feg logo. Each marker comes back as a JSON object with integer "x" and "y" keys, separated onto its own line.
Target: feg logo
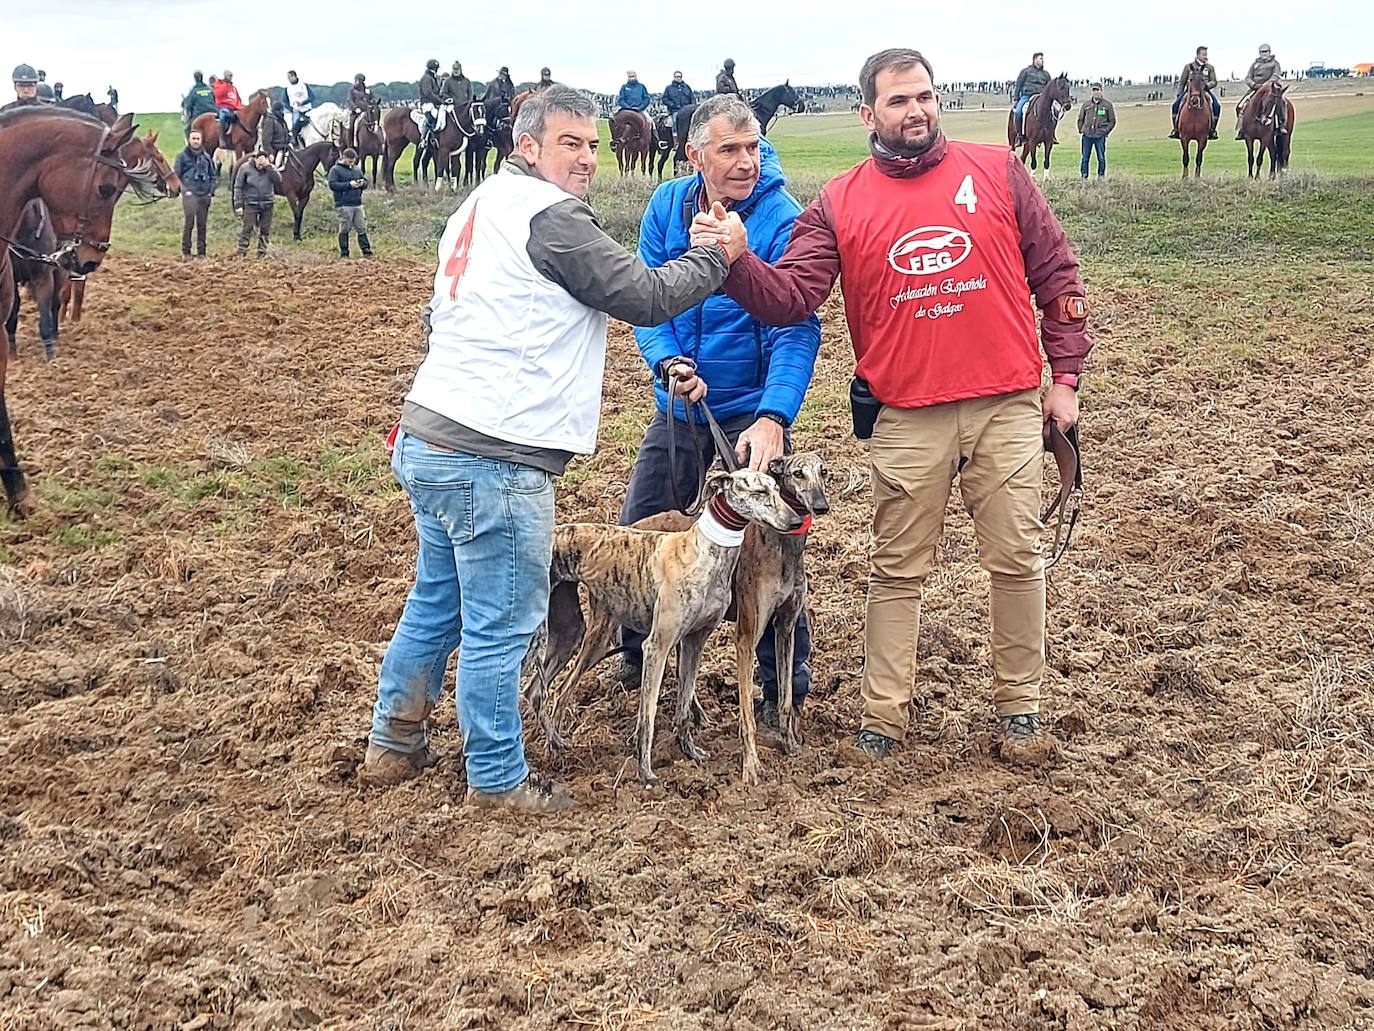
{"x": 928, "y": 250}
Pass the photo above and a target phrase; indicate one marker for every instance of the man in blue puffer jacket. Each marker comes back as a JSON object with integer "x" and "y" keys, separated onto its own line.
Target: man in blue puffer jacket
{"x": 757, "y": 374}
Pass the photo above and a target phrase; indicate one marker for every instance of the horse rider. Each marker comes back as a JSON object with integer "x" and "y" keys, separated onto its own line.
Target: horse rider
{"x": 456, "y": 90}
{"x": 1199, "y": 63}
{"x": 1029, "y": 85}
{"x": 545, "y": 79}
{"x": 634, "y": 95}
{"x": 1264, "y": 68}
{"x": 274, "y": 138}
{"x": 46, "y": 94}
{"x": 112, "y": 95}
{"x": 677, "y": 95}
{"x": 301, "y": 98}
{"x": 199, "y": 100}
{"x": 227, "y": 103}
{"x": 25, "y": 87}
{"x": 430, "y": 101}
{"x": 500, "y": 93}
{"x": 725, "y": 78}
{"x": 360, "y": 99}
{"x": 57, "y": 91}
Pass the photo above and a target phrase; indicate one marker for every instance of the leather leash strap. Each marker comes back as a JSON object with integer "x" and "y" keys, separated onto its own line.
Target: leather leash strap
{"x": 1069, "y": 502}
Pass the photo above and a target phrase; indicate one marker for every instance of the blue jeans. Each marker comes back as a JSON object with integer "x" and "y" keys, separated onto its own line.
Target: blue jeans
{"x": 482, "y": 582}
{"x": 1021, "y": 104}
{"x": 227, "y": 117}
{"x": 1089, "y": 145}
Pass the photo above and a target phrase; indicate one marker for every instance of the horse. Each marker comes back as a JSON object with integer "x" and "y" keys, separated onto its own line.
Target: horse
{"x": 298, "y": 177}
{"x": 461, "y": 131}
{"x": 51, "y": 287}
{"x": 326, "y": 121}
{"x": 243, "y": 133}
{"x": 475, "y": 156}
{"x": 1042, "y": 115}
{"x": 86, "y": 104}
{"x": 632, "y": 136}
{"x": 664, "y": 144}
{"x": 517, "y": 101}
{"x": 501, "y": 134}
{"x": 368, "y": 139}
{"x": 73, "y": 164}
{"x": 765, "y": 105}
{"x": 1195, "y": 121}
{"x": 1258, "y": 125}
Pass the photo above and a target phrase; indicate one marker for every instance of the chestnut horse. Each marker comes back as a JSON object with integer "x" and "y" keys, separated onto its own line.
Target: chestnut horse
{"x": 368, "y": 139}
{"x": 632, "y": 138}
{"x": 73, "y": 164}
{"x": 1195, "y": 120}
{"x": 1041, "y": 117}
{"x": 1259, "y": 125}
{"x": 243, "y": 134}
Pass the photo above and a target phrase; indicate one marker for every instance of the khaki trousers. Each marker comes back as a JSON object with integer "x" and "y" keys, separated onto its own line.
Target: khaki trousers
{"x": 994, "y": 446}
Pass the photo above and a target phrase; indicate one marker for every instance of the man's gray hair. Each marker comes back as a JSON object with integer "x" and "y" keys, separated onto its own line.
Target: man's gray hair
{"x": 557, "y": 99}
{"x": 727, "y": 105}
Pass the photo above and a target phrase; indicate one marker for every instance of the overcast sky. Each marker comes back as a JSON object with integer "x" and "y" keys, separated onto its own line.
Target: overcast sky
{"x": 149, "y": 49}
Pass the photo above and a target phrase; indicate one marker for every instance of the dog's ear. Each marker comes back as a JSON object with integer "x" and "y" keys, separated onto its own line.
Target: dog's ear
{"x": 777, "y": 467}
{"x": 715, "y": 483}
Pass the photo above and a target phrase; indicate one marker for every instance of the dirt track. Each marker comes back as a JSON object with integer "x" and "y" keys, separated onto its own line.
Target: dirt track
{"x": 191, "y": 627}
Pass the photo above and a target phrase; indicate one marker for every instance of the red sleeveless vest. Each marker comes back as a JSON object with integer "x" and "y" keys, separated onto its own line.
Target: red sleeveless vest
{"x": 934, "y": 283}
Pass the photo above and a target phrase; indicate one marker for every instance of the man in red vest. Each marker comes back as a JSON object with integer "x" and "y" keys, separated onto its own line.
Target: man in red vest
{"x": 939, "y": 247}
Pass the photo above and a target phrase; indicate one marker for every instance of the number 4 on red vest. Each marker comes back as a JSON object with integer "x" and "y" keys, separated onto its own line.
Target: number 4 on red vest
{"x": 462, "y": 249}
{"x": 966, "y": 196}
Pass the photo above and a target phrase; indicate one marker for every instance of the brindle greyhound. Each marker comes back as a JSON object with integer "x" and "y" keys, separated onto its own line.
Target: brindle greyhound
{"x": 674, "y": 587}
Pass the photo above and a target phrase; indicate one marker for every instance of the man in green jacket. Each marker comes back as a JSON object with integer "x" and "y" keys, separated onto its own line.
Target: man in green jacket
{"x": 1199, "y": 63}
{"x": 456, "y": 90}
{"x": 1029, "y": 84}
{"x": 199, "y": 100}
{"x": 1264, "y": 68}
{"x": 1096, "y": 120}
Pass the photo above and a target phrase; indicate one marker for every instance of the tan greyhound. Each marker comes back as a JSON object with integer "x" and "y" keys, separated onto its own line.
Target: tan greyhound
{"x": 674, "y": 587}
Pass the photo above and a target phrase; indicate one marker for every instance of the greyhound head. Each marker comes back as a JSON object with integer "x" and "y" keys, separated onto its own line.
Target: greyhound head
{"x": 754, "y": 496}
{"x": 801, "y": 478}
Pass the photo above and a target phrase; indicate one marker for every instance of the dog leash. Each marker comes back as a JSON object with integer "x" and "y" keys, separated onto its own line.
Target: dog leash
{"x": 722, "y": 443}
{"x": 1069, "y": 502}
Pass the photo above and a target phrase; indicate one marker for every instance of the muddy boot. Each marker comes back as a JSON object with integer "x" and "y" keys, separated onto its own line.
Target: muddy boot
{"x": 1024, "y": 741}
{"x": 879, "y": 746}
{"x": 530, "y": 796}
{"x": 343, "y": 245}
{"x": 365, "y": 244}
{"x": 383, "y": 767}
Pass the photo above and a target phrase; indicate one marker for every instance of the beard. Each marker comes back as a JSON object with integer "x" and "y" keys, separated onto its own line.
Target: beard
{"x": 899, "y": 145}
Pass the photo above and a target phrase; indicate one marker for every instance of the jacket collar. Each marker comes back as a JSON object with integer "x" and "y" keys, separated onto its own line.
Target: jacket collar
{"x": 898, "y": 167}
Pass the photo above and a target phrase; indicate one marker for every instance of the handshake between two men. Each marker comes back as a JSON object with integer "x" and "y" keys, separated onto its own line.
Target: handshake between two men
{"x": 765, "y": 440}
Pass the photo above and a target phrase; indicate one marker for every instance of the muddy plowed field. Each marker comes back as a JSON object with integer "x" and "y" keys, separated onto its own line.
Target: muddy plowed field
{"x": 191, "y": 625}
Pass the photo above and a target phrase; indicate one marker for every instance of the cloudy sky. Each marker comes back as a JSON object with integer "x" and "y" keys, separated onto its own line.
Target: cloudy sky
{"x": 148, "y": 48}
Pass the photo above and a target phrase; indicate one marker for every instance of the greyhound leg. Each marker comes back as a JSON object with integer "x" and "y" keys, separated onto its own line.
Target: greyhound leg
{"x": 656, "y": 648}
{"x": 689, "y": 651}
{"x": 784, "y": 642}
{"x": 563, "y": 632}
{"x": 747, "y": 634}
{"x": 597, "y": 639}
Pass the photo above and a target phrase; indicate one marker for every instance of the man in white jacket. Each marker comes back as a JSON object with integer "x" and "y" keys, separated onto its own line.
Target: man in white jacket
{"x": 299, "y": 99}
{"x": 509, "y": 392}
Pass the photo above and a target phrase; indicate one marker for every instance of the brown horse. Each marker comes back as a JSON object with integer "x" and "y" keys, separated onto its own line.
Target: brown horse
{"x": 1195, "y": 121}
{"x": 368, "y": 139}
{"x": 632, "y": 139}
{"x": 1259, "y": 125}
{"x": 298, "y": 177}
{"x": 243, "y": 134}
{"x": 51, "y": 286}
{"x": 464, "y": 128}
{"x": 1041, "y": 117}
{"x": 520, "y": 98}
{"x": 73, "y": 164}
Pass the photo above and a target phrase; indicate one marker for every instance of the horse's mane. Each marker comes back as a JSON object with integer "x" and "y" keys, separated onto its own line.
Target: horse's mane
{"x": 34, "y": 111}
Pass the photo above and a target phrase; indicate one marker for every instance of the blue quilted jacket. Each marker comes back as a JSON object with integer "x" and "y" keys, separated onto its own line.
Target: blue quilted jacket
{"x": 748, "y": 366}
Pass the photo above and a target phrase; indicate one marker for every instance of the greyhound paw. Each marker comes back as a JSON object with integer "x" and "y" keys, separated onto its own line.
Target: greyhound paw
{"x": 753, "y": 772}
{"x": 692, "y": 750}
{"x": 557, "y": 743}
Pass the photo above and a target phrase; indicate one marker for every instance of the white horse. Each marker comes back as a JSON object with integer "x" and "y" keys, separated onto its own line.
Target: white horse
{"x": 326, "y": 122}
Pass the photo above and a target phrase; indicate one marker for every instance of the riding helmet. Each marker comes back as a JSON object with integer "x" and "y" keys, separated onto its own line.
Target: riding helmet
{"x": 24, "y": 75}
{"x": 729, "y": 63}
{"x": 432, "y": 65}
{"x": 46, "y": 94}
{"x": 360, "y": 77}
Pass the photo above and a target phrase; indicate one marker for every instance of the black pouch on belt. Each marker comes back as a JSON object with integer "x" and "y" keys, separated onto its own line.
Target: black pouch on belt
{"x": 864, "y": 407}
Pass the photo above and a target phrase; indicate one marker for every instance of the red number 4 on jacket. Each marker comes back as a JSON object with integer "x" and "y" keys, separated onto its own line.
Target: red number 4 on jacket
{"x": 457, "y": 262}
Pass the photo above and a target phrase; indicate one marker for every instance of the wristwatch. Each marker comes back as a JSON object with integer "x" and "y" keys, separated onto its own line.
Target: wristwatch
{"x": 1068, "y": 379}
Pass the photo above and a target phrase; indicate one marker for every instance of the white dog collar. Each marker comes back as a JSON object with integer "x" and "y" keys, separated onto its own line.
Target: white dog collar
{"x": 714, "y": 531}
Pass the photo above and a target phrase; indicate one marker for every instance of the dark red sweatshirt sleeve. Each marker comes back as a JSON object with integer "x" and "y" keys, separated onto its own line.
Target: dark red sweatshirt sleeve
{"x": 799, "y": 283}
{"x": 1051, "y": 270}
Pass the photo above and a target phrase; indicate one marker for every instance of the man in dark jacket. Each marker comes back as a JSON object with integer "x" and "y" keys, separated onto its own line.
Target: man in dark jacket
{"x": 500, "y": 93}
{"x": 199, "y": 175}
{"x": 199, "y": 100}
{"x": 348, "y": 185}
{"x": 1029, "y": 85}
{"x": 634, "y": 95}
{"x": 1199, "y": 63}
{"x": 758, "y": 374}
{"x": 430, "y": 101}
{"x": 677, "y": 94}
{"x": 545, "y": 78}
{"x": 725, "y": 78}
{"x": 360, "y": 100}
{"x": 1096, "y": 120}
{"x": 456, "y": 90}
{"x": 1264, "y": 68}
{"x": 274, "y": 138}
{"x": 255, "y": 192}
